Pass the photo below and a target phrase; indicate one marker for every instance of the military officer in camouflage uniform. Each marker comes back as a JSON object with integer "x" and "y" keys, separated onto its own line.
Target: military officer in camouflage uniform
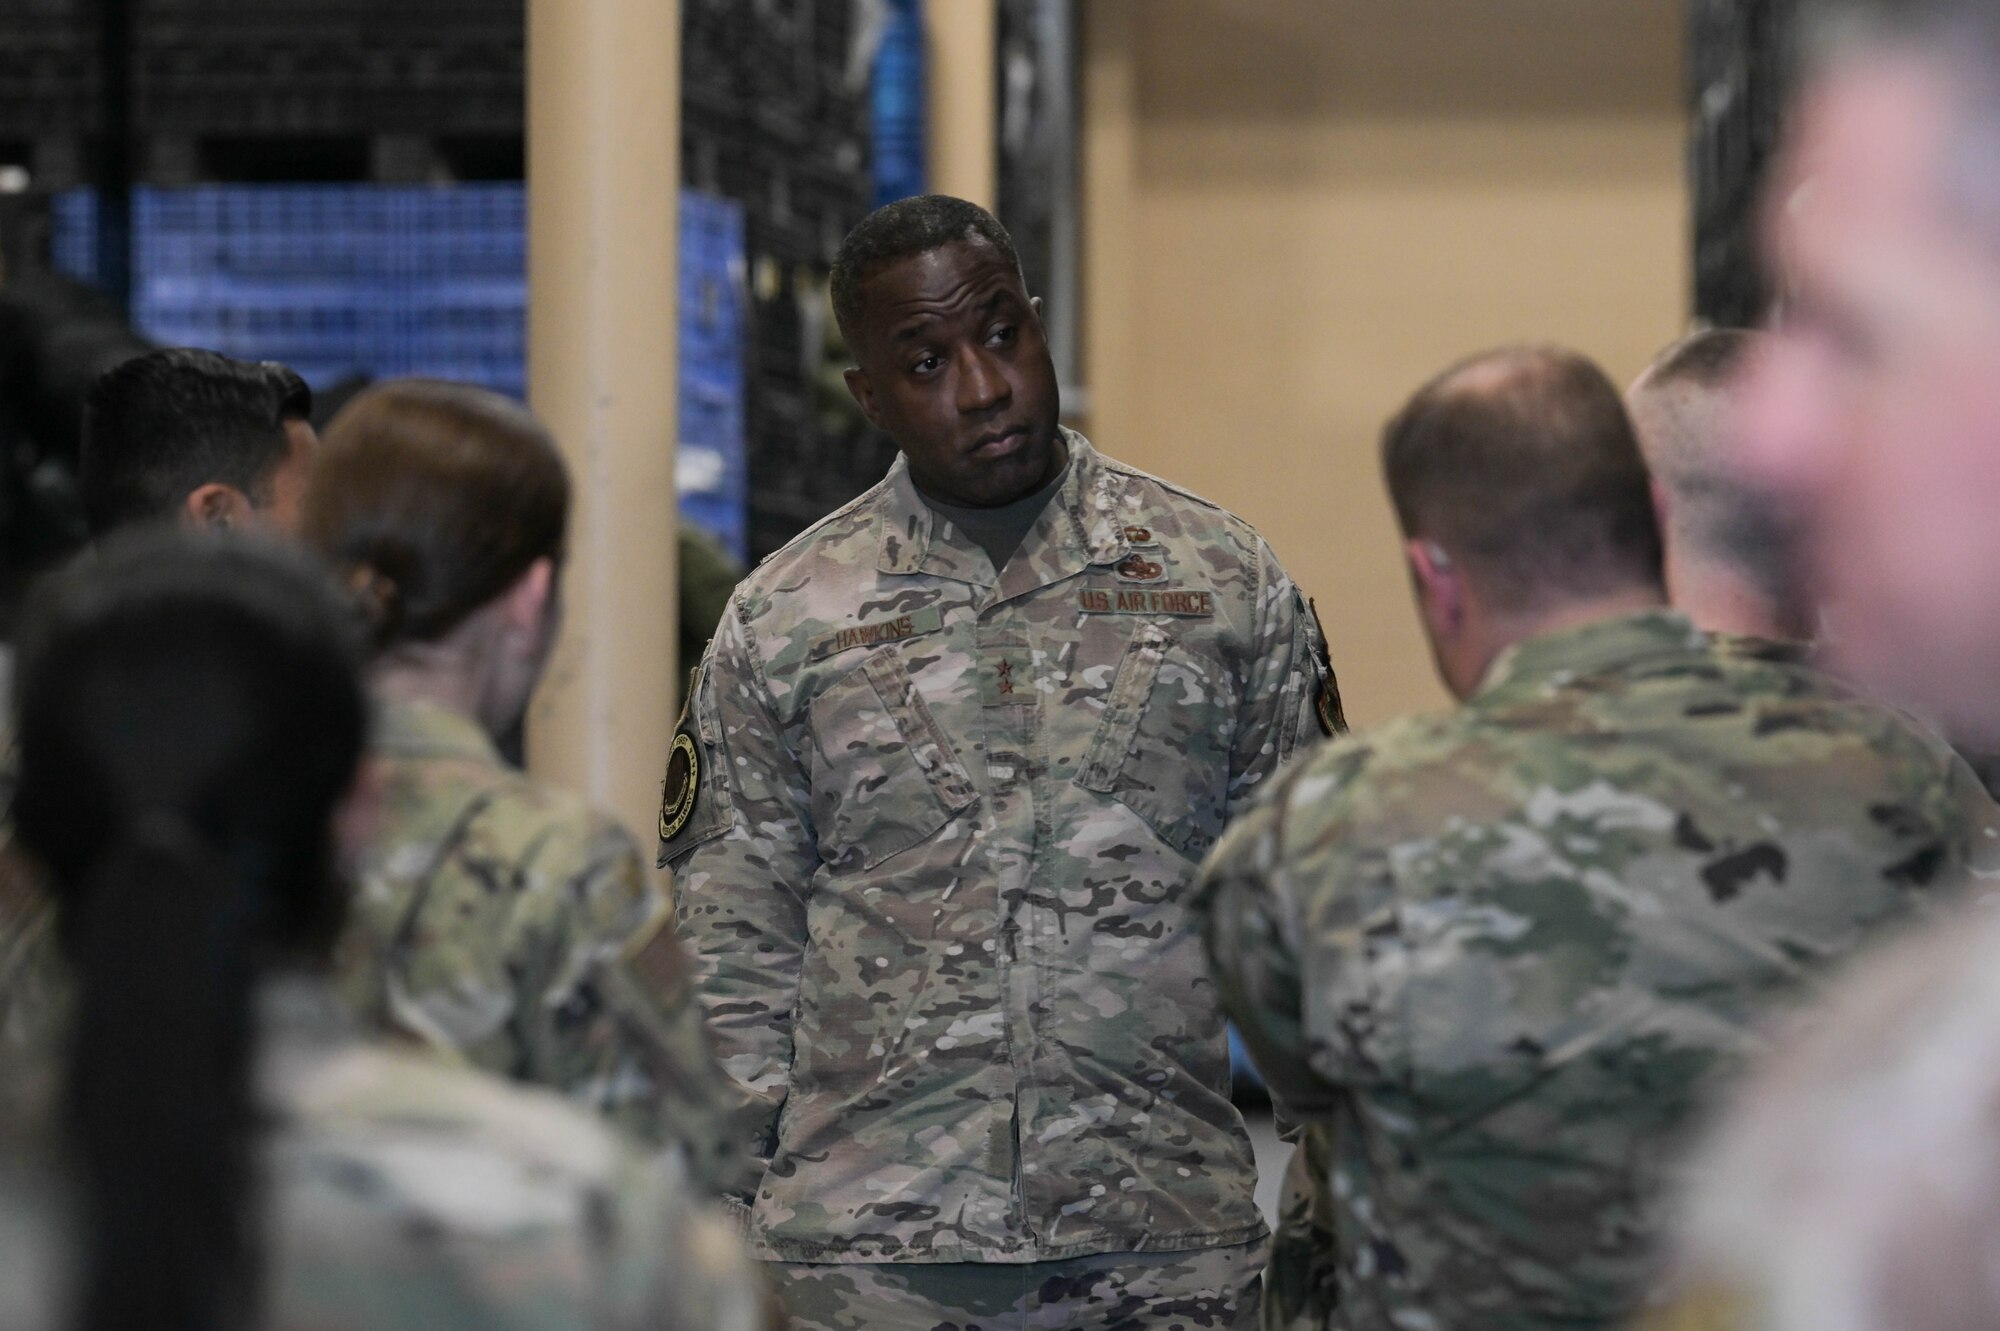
{"x": 1493, "y": 959}
{"x": 494, "y": 917}
{"x": 935, "y": 813}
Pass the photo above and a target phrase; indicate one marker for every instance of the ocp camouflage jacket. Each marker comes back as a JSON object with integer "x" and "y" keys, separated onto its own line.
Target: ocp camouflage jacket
{"x": 1495, "y": 959}
{"x": 935, "y": 832}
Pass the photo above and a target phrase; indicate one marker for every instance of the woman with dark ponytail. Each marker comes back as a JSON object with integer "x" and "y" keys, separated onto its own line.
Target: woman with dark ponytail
{"x": 190, "y": 717}
{"x": 495, "y": 916}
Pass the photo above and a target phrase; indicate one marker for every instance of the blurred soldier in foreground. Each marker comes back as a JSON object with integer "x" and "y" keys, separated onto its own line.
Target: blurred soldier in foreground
{"x": 1855, "y": 1188}
{"x": 1730, "y": 563}
{"x": 495, "y": 916}
{"x": 177, "y": 435}
{"x": 1494, "y": 959}
{"x": 935, "y": 810}
{"x": 191, "y": 717}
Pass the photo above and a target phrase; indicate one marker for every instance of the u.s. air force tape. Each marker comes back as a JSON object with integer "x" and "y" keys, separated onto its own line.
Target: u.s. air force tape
{"x": 682, "y": 785}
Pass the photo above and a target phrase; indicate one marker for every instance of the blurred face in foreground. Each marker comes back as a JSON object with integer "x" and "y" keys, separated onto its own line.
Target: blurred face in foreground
{"x": 1876, "y": 409}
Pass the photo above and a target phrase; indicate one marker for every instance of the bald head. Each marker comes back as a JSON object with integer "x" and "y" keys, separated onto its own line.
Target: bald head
{"x": 1521, "y": 464}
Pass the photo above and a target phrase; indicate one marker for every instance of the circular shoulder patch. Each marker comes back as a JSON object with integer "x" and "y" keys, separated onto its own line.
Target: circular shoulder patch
{"x": 1332, "y": 718}
{"x": 677, "y": 794}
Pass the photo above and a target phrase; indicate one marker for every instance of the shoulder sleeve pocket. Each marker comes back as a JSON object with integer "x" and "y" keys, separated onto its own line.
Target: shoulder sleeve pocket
{"x": 694, "y": 792}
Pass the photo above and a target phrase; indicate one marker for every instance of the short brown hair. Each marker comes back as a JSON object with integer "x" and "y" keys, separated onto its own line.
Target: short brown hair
{"x": 1523, "y": 464}
{"x": 431, "y": 499}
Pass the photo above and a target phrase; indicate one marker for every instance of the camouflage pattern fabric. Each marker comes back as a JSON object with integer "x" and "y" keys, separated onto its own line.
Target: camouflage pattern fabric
{"x": 706, "y": 574}
{"x": 401, "y": 1191}
{"x": 1495, "y": 958}
{"x": 35, "y": 990}
{"x": 1175, "y": 1291}
{"x": 510, "y": 923}
{"x": 934, "y": 833}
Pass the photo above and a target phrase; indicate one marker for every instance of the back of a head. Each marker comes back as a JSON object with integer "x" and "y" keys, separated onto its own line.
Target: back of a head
{"x": 431, "y": 499}
{"x": 1679, "y": 405}
{"x": 1522, "y": 464}
{"x": 1715, "y": 514}
{"x": 171, "y": 675}
{"x": 163, "y": 424}
{"x": 902, "y": 230}
{"x": 190, "y": 713}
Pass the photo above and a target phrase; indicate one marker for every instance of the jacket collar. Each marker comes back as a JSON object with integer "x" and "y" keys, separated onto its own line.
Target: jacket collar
{"x": 415, "y": 729}
{"x": 1554, "y": 659}
{"x": 1083, "y": 525}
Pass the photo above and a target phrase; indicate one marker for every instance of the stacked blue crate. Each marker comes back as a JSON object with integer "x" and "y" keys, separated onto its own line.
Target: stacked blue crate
{"x": 711, "y": 464}
{"x": 73, "y": 234}
{"x": 342, "y": 279}
{"x": 897, "y": 106}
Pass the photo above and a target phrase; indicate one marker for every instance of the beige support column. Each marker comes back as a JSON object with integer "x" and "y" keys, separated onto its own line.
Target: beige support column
{"x": 962, "y": 40}
{"x": 1109, "y": 190}
{"x": 603, "y": 187}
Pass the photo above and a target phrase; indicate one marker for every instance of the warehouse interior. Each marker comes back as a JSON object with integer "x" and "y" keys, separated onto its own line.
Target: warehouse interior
{"x": 1256, "y": 223}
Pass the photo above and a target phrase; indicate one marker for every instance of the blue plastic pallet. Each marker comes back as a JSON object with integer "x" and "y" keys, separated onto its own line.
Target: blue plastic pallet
{"x": 339, "y": 279}
{"x": 897, "y": 105}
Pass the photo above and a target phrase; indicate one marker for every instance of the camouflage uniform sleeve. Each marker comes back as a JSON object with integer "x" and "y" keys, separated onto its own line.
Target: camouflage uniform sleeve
{"x": 737, "y": 832}
{"x": 35, "y": 994}
{"x": 649, "y": 989}
{"x": 1251, "y": 931}
{"x": 1289, "y": 696}
{"x": 613, "y": 1021}
{"x": 693, "y": 1270}
{"x": 1971, "y": 817}
{"x": 1301, "y": 1280}
{"x": 1253, "y": 955}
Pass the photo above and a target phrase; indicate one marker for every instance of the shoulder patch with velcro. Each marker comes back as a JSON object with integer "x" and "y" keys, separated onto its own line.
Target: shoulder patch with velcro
{"x": 694, "y": 803}
{"x": 1332, "y": 717}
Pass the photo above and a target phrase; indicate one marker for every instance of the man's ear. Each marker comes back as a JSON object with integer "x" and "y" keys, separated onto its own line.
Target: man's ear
{"x": 863, "y": 393}
{"x": 217, "y": 507}
{"x": 528, "y": 599}
{"x": 1440, "y": 591}
{"x": 1035, "y": 304}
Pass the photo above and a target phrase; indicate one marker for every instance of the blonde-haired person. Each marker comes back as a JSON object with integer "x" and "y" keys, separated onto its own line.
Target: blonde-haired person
{"x": 494, "y": 915}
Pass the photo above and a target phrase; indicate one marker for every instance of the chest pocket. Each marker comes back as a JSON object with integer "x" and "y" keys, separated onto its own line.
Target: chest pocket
{"x": 883, "y": 775}
{"x": 1162, "y": 746}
